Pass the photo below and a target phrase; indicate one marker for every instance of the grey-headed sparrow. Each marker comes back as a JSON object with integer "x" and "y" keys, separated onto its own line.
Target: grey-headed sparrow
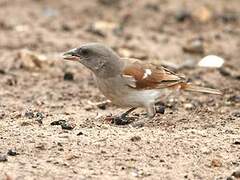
{"x": 130, "y": 82}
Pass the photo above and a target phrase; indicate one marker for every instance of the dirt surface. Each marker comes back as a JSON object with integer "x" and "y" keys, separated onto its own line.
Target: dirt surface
{"x": 198, "y": 137}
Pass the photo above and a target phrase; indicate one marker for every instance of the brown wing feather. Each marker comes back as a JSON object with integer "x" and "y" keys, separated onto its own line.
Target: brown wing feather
{"x": 160, "y": 77}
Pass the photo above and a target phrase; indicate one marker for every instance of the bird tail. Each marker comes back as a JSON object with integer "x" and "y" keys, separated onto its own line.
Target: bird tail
{"x": 191, "y": 87}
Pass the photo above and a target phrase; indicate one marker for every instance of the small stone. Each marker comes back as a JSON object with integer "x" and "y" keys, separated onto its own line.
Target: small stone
{"x": 202, "y": 14}
{"x": 236, "y": 174}
{"x": 3, "y": 158}
{"x": 57, "y": 123}
{"x": 205, "y": 150}
{"x": 237, "y": 142}
{"x": 68, "y": 76}
{"x": 152, "y": 7}
{"x": 102, "y": 106}
{"x": 194, "y": 46}
{"x": 25, "y": 123}
{"x": 101, "y": 28}
{"x": 39, "y": 117}
{"x": 88, "y": 107}
{"x": 66, "y": 27}
{"x": 230, "y": 178}
{"x": 12, "y": 152}
{"x": 211, "y": 61}
{"x": 138, "y": 124}
{"x": 182, "y": 15}
{"x": 80, "y": 133}
{"x": 229, "y": 17}
{"x": 71, "y": 157}
{"x": 234, "y": 98}
{"x": 68, "y": 126}
{"x": 216, "y": 163}
{"x": 109, "y": 2}
{"x": 2, "y": 114}
{"x": 31, "y": 60}
{"x": 29, "y": 114}
{"x": 188, "y": 106}
{"x": 236, "y": 114}
{"x": 135, "y": 138}
{"x": 11, "y": 81}
{"x": 41, "y": 146}
{"x": 60, "y": 149}
{"x": 2, "y": 71}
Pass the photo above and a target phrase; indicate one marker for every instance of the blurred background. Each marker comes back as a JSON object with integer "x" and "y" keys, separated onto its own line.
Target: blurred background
{"x": 38, "y": 87}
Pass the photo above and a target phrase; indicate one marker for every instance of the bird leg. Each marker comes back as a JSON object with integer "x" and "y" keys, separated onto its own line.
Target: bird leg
{"x": 151, "y": 111}
{"x": 123, "y": 119}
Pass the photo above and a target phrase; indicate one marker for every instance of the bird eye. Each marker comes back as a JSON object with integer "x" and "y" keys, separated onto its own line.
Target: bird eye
{"x": 84, "y": 52}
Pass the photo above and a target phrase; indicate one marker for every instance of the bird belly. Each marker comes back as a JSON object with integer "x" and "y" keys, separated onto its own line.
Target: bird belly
{"x": 125, "y": 96}
{"x": 143, "y": 97}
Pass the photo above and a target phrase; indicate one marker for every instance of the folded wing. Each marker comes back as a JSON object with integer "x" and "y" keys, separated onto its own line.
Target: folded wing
{"x": 142, "y": 76}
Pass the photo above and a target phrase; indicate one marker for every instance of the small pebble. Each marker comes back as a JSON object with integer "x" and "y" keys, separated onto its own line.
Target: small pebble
{"x": 236, "y": 174}
{"x": 188, "y": 106}
{"x": 211, "y": 61}
{"x": 66, "y": 27}
{"x": 68, "y": 76}
{"x": 182, "y": 16}
{"x": 194, "y": 46}
{"x": 237, "y": 142}
{"x": 2, "y": 114}
{"x": 2, "y": 71}
{"x": 58, "y": 122}
{"x": 11, "y": 81}
{"x": 230, "y": 178}
{"x": 3, "y": 158}
{"x": 229, "y": 17}
{"x": 234, "y": 98}
{"x": 109, "y": 2}
{"x": 12, "y": 152}
{"x": 68, "y": 126}
{"x": 39, "y": 117}
{"x": 88, "y": 107}
{"x": 216, "y": 163}
{"x": 102, "y": 106}
{"x": 152, "y": 7}
{"x": 135, "y": 138}
{"x": 29, "y": 114}
{"x": 41, "y": 146}
{"x": 80, "y": 133}
{"x": 236, "y": 114}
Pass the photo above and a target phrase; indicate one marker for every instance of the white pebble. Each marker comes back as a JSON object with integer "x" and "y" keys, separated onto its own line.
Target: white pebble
{"x": 211, "y": 61}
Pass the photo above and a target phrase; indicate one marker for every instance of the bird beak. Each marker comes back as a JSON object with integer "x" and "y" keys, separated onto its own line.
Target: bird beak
{"x": 71, "y": 55}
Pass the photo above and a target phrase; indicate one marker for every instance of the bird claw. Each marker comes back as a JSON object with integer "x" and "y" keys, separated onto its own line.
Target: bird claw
{"x": 119, "y": 120}
{"x": 160, "y": 109}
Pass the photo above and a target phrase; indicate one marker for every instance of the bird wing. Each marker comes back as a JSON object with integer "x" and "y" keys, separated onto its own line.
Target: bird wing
{"x": 148, "y": 76}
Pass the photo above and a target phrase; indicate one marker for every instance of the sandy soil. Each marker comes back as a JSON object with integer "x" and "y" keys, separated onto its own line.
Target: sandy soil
{"x": 198, "y": 137}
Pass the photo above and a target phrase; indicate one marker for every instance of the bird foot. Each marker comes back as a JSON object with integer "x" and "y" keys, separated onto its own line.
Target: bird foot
{"x": 119, "y": 120}
{"x": 160, "y": 109}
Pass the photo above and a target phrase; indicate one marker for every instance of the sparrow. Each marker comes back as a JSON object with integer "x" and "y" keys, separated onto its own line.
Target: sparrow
{"x": 130, "y": 82}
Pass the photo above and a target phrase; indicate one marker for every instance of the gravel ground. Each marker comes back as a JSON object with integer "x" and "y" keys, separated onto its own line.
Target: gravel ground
{"x": 50, "y": 124}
